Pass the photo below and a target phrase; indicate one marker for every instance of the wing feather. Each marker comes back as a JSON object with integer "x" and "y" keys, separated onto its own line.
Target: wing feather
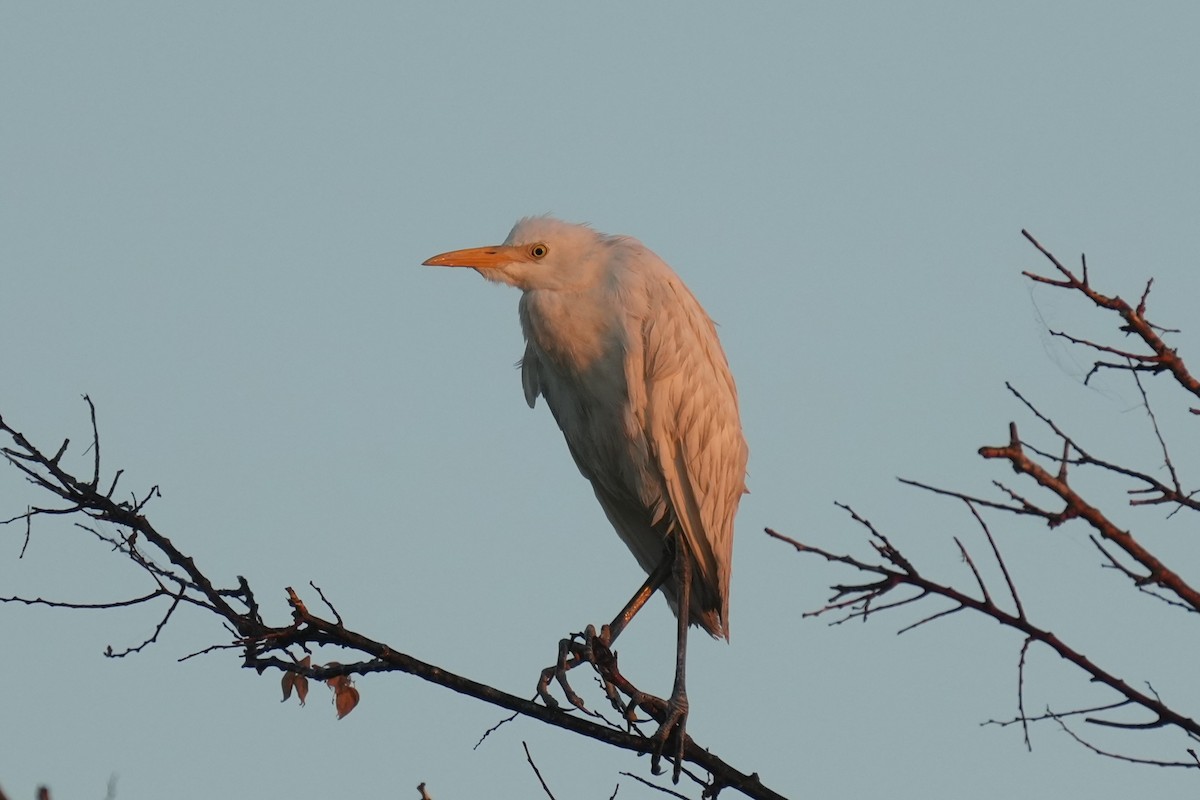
{"x": 530, "y": 380}
{"x": 692, "y": 425}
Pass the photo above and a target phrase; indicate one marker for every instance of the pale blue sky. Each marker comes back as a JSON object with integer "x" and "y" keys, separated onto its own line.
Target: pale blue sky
{"x": 211, "y": 219}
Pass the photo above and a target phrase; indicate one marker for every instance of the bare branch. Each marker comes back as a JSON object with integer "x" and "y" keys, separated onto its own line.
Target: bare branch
{"x": 175, "y": 574}
{"x": 95, "y": 481}
{"x": 1077, "y": 507}
{"x": 653, "y": 785}
{"x": 1021, "y": 693}
{"x": 1135, "y": 322}
{"x": 1053, "y": 469}
{"x": 1152, "y": 762}
{"x": 38, "y": 601}
{"x": 868, "y": 595}
{"x": 162, "y": 623}
{"x": 1012, "y": 589}
{"x": 1049, "y": 715}
{"x": 537, "y": 772}
{"x": 987, "y": 598}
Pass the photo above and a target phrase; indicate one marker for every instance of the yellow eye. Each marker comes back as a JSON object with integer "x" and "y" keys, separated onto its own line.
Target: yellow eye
{"x": 538, "y": 250}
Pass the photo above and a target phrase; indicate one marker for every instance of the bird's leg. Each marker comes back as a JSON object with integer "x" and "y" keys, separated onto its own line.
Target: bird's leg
{"x": 674, "y": 723}
{"x": 610, "y": 632}
{"x": 572, "y": 653}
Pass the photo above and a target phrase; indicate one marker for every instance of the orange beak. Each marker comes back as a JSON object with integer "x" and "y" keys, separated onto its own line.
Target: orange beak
{"x": 479, "y": 257}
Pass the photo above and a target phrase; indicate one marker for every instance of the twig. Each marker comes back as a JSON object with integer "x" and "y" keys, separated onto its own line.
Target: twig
{"x": 1162, "y": 356}
{"x": 653, "y": 785}
{"x": 1153, "y": 762}
{"x": 907, "y": 575}
{"x": 495, "y": 728}
{"x": 1021, "y": 693}
{"x": 537, "y": 772}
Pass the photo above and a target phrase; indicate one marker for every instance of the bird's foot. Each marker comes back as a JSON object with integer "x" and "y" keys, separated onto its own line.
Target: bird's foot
{"x": 572, "y": 651}
{"x": 671, "y": 736}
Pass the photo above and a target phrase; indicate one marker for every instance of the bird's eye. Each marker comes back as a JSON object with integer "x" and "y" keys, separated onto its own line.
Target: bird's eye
{"x": 538, "y": 250}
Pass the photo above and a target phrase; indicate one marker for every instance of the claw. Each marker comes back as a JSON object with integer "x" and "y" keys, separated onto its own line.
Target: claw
{"x": 673, "y": 731}
{"x": 571, "y": 653}
{"x": 543, "y": 687}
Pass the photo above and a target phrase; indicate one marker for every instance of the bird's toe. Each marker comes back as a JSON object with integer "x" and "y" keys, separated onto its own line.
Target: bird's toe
{"x": 671, "y": 737}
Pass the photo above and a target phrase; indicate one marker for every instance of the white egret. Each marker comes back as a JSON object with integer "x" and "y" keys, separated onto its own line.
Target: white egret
{"x": 632, "y": 370}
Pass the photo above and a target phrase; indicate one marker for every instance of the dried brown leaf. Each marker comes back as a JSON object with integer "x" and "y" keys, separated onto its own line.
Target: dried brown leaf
{"x": 302, "y": 688}
{"x": 289, "y": 681}
{"x": 294, "y": 680}
{"x": 345, "y": 696}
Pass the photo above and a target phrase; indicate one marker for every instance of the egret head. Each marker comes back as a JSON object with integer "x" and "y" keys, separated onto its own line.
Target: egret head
{"x": 539, "y": 253}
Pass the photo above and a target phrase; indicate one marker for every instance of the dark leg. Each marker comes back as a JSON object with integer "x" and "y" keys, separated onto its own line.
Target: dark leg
{"x": 571, "y": 653}
{"x": 674, "y": 724}
{"x": 655, "y": 580}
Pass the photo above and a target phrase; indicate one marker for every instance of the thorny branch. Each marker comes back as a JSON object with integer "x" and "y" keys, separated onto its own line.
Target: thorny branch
{"x": 178, "y": 579}
{"x": 894, "y": 581}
